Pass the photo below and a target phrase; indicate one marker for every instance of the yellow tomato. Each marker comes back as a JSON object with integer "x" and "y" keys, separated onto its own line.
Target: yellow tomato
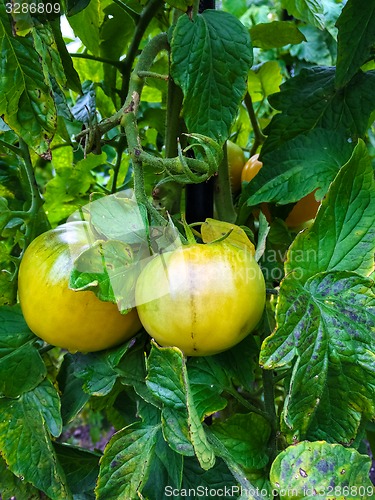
{"x": 304, "y": 210}
{"x": 77, "y": 321}
{"x": 251, "y": 168}
{"x": 236, "y": 160}
{"x": 201, "y": 298}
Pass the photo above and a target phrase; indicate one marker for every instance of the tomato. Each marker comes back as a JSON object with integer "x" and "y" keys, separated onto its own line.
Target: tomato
{"x": 303, "y": 211}
{"x": 201, "y": 298}
{"x": 77, "y": 321}
{"x": 251, "y": 168}
{"x": 236, "y": 161}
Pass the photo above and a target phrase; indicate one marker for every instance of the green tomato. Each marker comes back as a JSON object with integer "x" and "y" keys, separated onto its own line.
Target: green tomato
{"x": 77, "y": 321}
{"x": 201, "y": 298}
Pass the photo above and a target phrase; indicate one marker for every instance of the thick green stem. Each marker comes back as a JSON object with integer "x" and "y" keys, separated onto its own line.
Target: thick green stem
{"x": 223, "y": 193}
{"x": 121, "y": 145}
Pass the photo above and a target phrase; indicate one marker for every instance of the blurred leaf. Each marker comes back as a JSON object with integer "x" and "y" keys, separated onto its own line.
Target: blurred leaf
{"x": 25, "y": 442}
{"x": 326, "y": 313}
{"x": 356, "y": 35}
{"x": 80, "y": 466}
{"x": 12, "y": 487}
{"x": 180, "y": 4}
{"x": 317, "y": 49}
{"x": 276, "y": 34}
{"x": 85, "y": 18}
{"x": 326, "y": 470}
{"x": 26, "y": 104}
{"x": 299, "y": 166}
{"x": 168, "y": 380}
{"x": 264, "y": 80}
{"x": 75, "y": 6}
{"x": 125, "y": 465}
{"x": 310, "y": 100}
{"x": 245, "y": 436}
{"x": 84, "y": 109}
{"x": 115, "y": 32}
{"x": 310, "y": 11}
{"x": 215, "y": 48}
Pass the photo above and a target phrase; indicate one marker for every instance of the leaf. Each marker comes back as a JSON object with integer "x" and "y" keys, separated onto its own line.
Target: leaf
{"x": 326, "y": 313}
{"x": 86, "y": 22}
{"x": 5, "y": 213}
{"x": 310, "y": 100}
{"x": 180, "y": 4}
{"x": 25, "y": 441}
{"x": 356, "y": 35}
{"x": 84, "y": 109}
{"x": 73, "y": 397}
{"x": 26, "y": 104}
{"x": 115, "y": 32}
{"x": 125, "y": 465}
{"x": 264, "y": 80}
{"x": 276, "y": 34}
{"x": 322, "y": 469}
{"x": 75, "y": 6}
{"x": 168, "y": 380}
{"x": 310, "y": 11}
{"x": 212, "y": 230}
{"x": 301, "y": 165}
{"x": 210, "y": 59}
{"x": 343, "y": 236}
{"x": 245, "y": 436}
{"x": 81, "y": 467}
{"x": 12, "y": 487}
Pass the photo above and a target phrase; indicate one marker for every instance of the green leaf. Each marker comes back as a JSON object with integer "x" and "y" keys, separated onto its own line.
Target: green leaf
{"x": 12, "y": 487}
{"x": 81, "y": 467}
{"x": 310, "y": 11}
{"x": 210, "y": 60}
{"x": 168, "y": 380}
{"x": 310, "y": 100}
{"x": 86, "y": 24}
{"x": 115, "y": 32}
{"x": 245, "y": 436}
{"x": 68, "y": 190}
{"x": 26, "y": 104}
{"x": 5, "y": 213}
{"x": 326, "y": 312}
{"x": 73, "y": 397}
{"x": 298, "y": 167}
{"x": 345, "y": 223}
{"x": 276, "y": 34}
{"x": 25, "y": 441}
{"x": 180, "y": 4}
{"x": 322, "y": 470}
{"x": 125, "y": 465}
{"x": 356, "y": 36}
{"x": 264, "y": 80}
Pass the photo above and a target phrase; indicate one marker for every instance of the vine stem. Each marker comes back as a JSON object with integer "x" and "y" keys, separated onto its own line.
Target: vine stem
{"x": 223, "y": 193}
{"x": 269, "y": 404}
{"x": 259, "y": 137}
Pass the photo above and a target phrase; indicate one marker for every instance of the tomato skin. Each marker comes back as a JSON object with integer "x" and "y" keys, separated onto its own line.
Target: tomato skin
{"x": 251, "y": 168}
{"x": 304, "y": 210}
{"x": 77, "y": 321}
{"x": 211, "y": 296}
{"x": 236, "y": 160}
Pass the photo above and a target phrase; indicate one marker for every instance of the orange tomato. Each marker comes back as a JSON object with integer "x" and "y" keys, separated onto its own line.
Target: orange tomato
{"x": 304, "y": 210}
{"x": 251, "y": 168}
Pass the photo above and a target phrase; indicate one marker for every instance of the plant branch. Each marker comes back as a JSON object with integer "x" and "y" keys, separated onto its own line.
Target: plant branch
{"x": 112, "y": 62}
{"x": 259, "y": 137}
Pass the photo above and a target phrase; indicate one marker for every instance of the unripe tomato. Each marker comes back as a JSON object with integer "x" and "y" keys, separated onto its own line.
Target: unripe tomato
{"x": 236, "y": 161}
{"x": 251, "y": 168}
{"x": 201, "y": 298}
{"x": 304, "y": 210}
{"x": 77, "y": 321}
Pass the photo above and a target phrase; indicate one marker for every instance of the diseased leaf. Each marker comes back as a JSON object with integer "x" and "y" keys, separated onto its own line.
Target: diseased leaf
{"x": 11, "y": 486}
{"x": 26, "y": 104}
{"x": 356, "y": 38}
{"x": 25, "y": 442}
{"x": 326, "y": 313}
{"x": 322, "y": 469}
{"x": 276, "y": 34}
{"x": 125, "y": 465}
{"x": 210, "y": 59}
{"x": 310, "y": 11}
